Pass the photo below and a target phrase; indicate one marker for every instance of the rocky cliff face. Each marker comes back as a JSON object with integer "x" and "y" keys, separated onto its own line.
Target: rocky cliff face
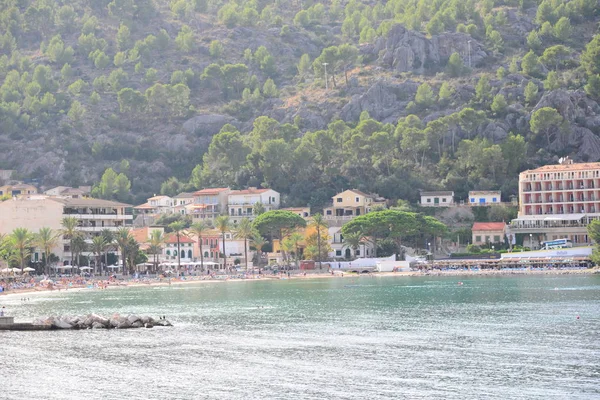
{"x": 404, "y": 50}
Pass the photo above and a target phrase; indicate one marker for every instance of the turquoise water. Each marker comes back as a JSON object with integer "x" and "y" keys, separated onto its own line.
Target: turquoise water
{"x": 340, "y": 338}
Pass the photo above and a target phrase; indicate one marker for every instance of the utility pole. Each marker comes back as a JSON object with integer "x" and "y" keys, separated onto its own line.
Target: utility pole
{"x": 326, "y": 82}
{"x": 469, "y": 44}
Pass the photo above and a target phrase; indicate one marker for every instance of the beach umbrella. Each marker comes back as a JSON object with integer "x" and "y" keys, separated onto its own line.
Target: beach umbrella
{"x": 6, "y": 270}
{"x": 85, "y": 268}
{"x": 28, "y": 269}
{"x": 113, "y": 266}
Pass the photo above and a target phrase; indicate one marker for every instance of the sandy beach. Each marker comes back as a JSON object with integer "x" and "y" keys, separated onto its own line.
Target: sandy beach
{"x": 93, "y": 284}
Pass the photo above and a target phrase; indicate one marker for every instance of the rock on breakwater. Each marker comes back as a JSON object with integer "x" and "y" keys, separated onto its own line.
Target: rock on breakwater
{"x": 94, "y": 321}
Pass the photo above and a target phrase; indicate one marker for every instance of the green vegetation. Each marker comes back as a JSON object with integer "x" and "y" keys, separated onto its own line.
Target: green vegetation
{"x": 87, "y": 84}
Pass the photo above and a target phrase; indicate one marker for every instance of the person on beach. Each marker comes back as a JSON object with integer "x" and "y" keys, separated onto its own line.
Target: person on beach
{"x": 2, "y": 311}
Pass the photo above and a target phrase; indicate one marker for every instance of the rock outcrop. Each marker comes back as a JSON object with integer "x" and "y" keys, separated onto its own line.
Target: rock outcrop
{"x": 404, "y": 50}
{"x": 385, "y": 101}
{"x": 93, "y": 321}
{"x": 207, "y": 124}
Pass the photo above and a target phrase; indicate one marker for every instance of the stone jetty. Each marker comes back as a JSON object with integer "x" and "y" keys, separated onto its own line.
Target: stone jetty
{"x": 93, "y": 321}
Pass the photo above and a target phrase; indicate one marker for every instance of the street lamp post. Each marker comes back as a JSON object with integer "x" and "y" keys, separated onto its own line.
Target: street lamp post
{"x": 326, "y": 82}
{"x": 469, "y": 45}
{"x": 531, "y": 241}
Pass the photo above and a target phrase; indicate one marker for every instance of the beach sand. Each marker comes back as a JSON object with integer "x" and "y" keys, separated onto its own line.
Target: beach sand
{"x": 324, "y": 275}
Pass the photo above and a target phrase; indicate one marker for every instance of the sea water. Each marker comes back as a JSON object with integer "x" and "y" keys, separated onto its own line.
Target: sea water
{"x": 526, "y": 337}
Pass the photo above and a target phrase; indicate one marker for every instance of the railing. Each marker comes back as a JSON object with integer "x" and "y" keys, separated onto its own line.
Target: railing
{"x": 336, "y": 217}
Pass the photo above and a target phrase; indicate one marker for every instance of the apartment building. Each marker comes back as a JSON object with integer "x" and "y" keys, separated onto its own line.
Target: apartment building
{"x": 558, "y": 201}
{"x": 241, "y": 203}
{"x": 156, "y": 205}
{"x": 208, "y": 203}
{"x": 38, "y": 211}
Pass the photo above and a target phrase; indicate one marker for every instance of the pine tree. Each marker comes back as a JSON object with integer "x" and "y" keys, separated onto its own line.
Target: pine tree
{"x": 531, "y": 93}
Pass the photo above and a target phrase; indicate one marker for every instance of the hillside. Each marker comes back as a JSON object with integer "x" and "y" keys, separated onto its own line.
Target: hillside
{"x": 428, "y": 94}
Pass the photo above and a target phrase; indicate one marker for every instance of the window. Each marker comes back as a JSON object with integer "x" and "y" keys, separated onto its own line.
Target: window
{"x": 496, "y": 239}
{"x": 328, "y": 212}
{"x": 189, "y": 254}
{"x": 472, "y": 200}
{"x": 357, "y": 199}
{"x": 168, "y": 252}
{"x": 429, "y": 200}
{"x": 443, "y": 200}
{"x": 487, "y": 239}
{"x": 338, "y": 253}
{"x": 478, "y": 238}
{"x": 358, "y": 252}
{"x": 494, "y": 200}
{"x": 339, "y": 199}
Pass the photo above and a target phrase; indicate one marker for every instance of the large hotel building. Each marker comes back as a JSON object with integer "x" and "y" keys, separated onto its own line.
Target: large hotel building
{"x": 558, "y": 201}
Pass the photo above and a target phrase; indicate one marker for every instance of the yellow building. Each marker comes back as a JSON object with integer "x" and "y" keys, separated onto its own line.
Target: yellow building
{"x": 352, "y": 203}
{"x": 17, "y": 189}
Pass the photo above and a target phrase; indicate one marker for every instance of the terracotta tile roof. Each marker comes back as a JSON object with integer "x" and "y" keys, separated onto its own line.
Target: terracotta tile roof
{"x": 360, "y": 193}
{"x": 209, "y": 191}
{"x": 140, "y": 235}
{"x": 143, "y": 206}
{"x": 184, "y": 195}
{"x": 172, "y": 238}
{"x": 488, "y": 226}
{"x": 159, "y": 197}
{"x": 248, "y": 191}
{"x": 565, "y": 167}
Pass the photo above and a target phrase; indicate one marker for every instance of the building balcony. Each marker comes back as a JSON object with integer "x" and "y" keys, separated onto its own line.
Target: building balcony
{"x": 104, "y": 217}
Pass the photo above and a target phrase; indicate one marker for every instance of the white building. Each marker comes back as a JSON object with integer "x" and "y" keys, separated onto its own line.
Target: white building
{"x": 181, "y": 201}
{"x": 209, "y": 203}
{"x": 437, "y": 199}
{"x": 340, "y": 250}
{"x": 484, "y": 197}
{"x": 156, "y": 205}
{"x": 240, "y": 203}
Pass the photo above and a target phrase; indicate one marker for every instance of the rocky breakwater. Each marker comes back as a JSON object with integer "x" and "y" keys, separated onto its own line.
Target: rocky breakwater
{"x": 93, "y": 321}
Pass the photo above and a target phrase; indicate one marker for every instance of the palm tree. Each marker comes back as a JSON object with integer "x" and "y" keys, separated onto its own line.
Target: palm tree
{"x": 79, "y": 245}
{"x": 122, "y": 238}
{"x": 258, "y": 242}
{"x": 353, "y": 241}
{"x": 244, "y": 231}
{"x": 157, "y": 240}
{"x": 69, "y": 225}
{"x": 294, "y": 240}
{"x": 47, "y": 239}
{"x": 177, "y": 227}
{"x": 199, "y": 229}
{"x": 98, "y": 246}
{"x": 133, "y": 249}
{"x": 318, "y": 221}
{"x": 222, "y": 224}
{"x": 22, "y": 240}
{"x": 109, "y": 238}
